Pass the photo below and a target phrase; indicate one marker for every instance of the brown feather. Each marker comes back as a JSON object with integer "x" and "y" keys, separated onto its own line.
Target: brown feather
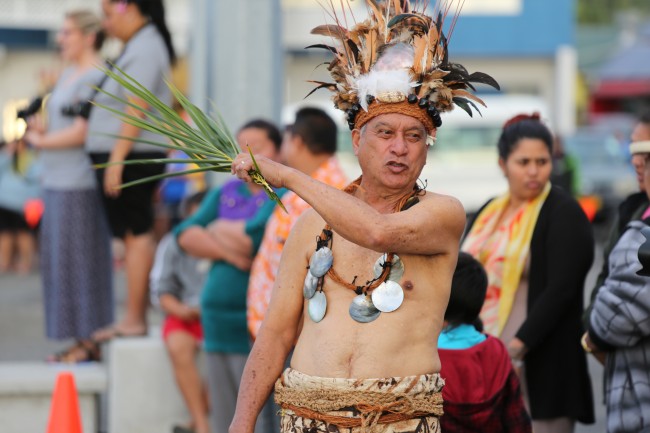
{"x": 419, "y": 58}
{"x": 468, "y": 95}
{"x": 370, "y": 50}
{"x": 376, "y": 11}
{"x": 434, "y": 38}
{"x": 331, "y": 30}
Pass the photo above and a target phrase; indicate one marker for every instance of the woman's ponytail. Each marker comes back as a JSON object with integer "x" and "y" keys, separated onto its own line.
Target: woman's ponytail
{"x": 155, "y": 10}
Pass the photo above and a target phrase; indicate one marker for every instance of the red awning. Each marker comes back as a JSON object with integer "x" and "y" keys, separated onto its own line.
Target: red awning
{"x": 622, "y": 88}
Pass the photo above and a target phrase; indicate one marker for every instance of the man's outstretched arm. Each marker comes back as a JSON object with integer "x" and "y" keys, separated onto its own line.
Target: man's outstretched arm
{"x": 434, "y": 226}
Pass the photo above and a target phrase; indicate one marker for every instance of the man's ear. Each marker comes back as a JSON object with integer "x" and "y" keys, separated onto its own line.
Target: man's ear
{"x": 299, "y": 142}
{"x": 356, "y": 138}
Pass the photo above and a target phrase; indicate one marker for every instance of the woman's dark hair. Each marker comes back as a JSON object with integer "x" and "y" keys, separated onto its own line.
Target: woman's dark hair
{"x": 468, "y": 289}
{"x": 520, "y": 127}
{"x": 155, "y": 10}
{"x": 272, "y": 132}
{"x": 316, "y": 129}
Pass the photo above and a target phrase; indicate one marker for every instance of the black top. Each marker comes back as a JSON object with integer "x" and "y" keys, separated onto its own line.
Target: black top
{"x": 561, "y": 254}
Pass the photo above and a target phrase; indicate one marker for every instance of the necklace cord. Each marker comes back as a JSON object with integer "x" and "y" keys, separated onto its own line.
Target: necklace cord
{"x": 326, "y": 237}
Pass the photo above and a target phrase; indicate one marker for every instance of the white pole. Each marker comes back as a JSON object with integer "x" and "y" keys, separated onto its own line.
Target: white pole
{"x": 566, "y": 67}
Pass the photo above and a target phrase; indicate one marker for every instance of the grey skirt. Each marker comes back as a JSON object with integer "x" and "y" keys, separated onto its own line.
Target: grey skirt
{"x": 76, "y": 264}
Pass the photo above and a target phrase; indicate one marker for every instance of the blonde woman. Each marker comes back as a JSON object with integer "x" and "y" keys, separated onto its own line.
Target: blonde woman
{"x": 75, "y": 241}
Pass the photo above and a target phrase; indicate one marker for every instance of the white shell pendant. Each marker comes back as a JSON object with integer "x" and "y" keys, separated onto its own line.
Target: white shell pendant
{"x": 309, "y": 288}
{"x": 317, "y": 306}
{"x": 320, "y": 262}
{"x": 362, "y": 310}
{"x": 396, "y": 270}
{"x": 388, "y": 296}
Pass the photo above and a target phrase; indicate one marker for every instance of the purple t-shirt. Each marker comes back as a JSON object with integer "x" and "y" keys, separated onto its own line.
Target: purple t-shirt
{"x": 234, "y": 205}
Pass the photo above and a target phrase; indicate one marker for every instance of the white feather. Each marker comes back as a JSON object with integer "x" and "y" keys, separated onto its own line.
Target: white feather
{"x": 376, "y": 82}
{"x": 388, "y": 74}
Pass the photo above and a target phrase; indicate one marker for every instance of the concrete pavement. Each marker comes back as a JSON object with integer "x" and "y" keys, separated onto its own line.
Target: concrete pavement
{"x": 22, "y": 328}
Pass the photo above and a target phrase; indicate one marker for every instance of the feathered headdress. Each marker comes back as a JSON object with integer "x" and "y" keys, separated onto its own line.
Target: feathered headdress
{"x": 397, "y": 61}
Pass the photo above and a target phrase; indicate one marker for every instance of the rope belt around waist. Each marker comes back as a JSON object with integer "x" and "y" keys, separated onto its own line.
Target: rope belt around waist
{"x": 373, "y": 407}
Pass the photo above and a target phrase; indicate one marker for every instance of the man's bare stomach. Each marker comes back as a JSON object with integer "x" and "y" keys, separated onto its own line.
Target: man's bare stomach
{"x": 397, "y": 344}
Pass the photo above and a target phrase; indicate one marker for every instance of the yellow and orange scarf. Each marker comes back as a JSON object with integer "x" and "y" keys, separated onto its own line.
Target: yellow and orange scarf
{"x": 503, "y": 251}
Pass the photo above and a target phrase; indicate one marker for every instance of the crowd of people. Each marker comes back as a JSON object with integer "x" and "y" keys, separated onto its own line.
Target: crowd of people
{"x": 365, "y": 305}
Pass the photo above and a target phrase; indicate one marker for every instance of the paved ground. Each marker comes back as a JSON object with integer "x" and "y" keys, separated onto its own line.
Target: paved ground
{"x": 22, "y": 330}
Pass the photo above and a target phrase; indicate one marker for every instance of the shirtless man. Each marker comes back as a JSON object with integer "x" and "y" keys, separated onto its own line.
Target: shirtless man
{"x": 392, "y": 151}
{"x": 353, "y": 366}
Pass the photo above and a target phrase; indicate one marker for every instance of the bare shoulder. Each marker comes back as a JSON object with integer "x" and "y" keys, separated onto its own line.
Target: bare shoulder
{"x": 307, "y": 227}
{"x": 310, "y": 219}
{"x": 443, "y": 209}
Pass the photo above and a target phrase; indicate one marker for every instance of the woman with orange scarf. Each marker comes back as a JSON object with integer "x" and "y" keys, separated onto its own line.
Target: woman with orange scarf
{"x": 537, "y": 246}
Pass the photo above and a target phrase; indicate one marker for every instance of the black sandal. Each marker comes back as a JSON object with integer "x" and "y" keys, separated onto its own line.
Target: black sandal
{"x": 81, "y": 351}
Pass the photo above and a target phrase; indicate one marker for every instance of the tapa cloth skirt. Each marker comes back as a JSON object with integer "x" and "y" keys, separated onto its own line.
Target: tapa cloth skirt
{"x": 305, "y": 387}
{"x": 76, "y": 264}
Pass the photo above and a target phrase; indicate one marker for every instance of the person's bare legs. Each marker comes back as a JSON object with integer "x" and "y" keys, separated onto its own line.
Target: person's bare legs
{"x": 182, "y": 349}
{"x": 139, "y": 253}
{"x": 6, "y": 250}
{"x": 26, "y": 246}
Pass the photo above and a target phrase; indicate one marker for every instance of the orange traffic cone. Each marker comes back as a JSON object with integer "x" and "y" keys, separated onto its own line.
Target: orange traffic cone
{"x": 64, "y": 414}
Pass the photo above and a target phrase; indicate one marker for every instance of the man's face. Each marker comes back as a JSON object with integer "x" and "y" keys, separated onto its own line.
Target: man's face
{"x": 646, "y": 172}
{"x": 258, "y": 141}
{"x": 289, "y": 148}
{"x": 392, "y": 150}
{"x": 638, "y": 162}
{"x": 641, "y": 132}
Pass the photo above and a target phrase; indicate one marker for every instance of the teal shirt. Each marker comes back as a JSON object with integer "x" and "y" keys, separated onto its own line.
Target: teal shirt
{"x": 460, "y": 337}
{"x": 223, "y": 299}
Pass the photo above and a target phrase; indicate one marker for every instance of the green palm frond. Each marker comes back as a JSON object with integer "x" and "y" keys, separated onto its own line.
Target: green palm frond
{"x": 209, "y": 143}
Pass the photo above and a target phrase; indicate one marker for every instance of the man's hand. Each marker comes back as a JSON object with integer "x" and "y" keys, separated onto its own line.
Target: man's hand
{"x": 113, "y": 180}
{"x": 236, "y": 245}
{"x": 187, "y": 313}
{"x": 272, "y": 171}
{"x": 517, "y": 349}
{"x": 34, "y": 138}
{"x": 237, "y": 426}
{"x": 242, "y": 263}
{"x": 222, "y": 228}
{"x": 232, "y": 235}
{"x": 36, "y": 123}
{"x": 174, "y": 307}
{"x": 591, "y": 348}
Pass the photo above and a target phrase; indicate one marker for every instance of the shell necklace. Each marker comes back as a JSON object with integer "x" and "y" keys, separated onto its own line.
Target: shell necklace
{"x": 382, "y": 294}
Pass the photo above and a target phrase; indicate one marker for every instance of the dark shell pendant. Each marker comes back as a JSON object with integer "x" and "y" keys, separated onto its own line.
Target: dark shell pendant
{"x": 362, "y": 309}
{"x": 310, "y": 286}
{"x": 396, "y": 270}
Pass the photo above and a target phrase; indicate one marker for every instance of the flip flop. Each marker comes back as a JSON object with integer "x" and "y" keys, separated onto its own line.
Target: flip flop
{"x": 111, "y": 332}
